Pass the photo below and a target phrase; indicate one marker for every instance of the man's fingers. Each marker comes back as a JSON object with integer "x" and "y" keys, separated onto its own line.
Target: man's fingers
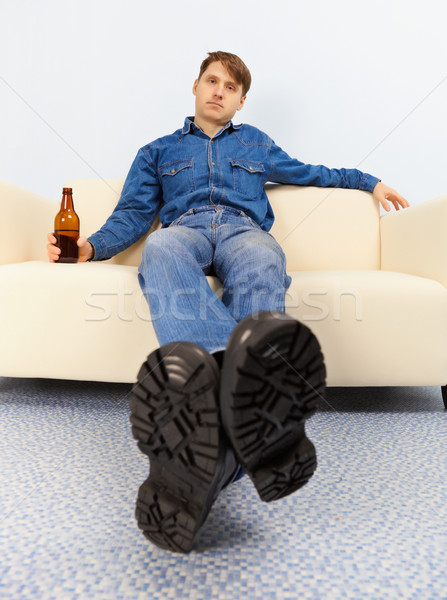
{"x": 385, "y": 205}
{"x": 402, "y": 201}
{"x": 397, "y": 200}
{"x": 52, "y": 249}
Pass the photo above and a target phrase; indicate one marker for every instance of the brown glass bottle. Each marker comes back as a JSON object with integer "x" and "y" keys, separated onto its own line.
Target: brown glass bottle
{"x": 66, "y": 229}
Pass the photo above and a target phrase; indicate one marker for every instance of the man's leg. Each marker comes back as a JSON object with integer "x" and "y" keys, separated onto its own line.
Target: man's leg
{"x": 174, "y": 405}
{"x": 175, "y": 417}
{"x": 252, "y": 268}
{"x": 172, "y": 276}
{"x": 272, "y": 377}
{"x": 273, "y": 370}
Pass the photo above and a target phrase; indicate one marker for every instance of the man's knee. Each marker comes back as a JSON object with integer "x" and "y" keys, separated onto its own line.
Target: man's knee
{"x": 265, "y": 253}
{"x": 165, "y": 242}
{"x": 163, "y": 238}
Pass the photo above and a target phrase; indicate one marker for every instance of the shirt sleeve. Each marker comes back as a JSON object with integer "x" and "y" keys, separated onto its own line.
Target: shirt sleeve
{"x": 135, "y": 212}
{"x": 287, "y": 170}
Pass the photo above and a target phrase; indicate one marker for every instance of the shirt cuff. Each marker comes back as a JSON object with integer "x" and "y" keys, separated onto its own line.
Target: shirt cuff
{"x": 368, "y": 182}
{"x": 94, "y": 252}
{"x": 99, "y": 248}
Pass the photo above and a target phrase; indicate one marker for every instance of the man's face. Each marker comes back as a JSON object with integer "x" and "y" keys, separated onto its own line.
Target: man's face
{"x": 218, "y": 95}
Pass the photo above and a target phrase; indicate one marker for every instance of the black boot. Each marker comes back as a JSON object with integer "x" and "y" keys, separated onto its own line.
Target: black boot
{"x": 272, "y": 375}
{"x": 175, "y": 418}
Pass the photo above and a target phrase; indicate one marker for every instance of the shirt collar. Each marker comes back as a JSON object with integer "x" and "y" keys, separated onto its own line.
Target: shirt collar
{"x": 189, "y": 123}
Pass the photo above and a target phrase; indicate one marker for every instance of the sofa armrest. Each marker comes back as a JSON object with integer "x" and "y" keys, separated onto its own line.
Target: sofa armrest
{"x": 414, "y": 240}
{"x": 25, "y": 220}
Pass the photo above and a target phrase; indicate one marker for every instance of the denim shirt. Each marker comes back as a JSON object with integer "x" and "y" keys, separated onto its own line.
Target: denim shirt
{"x": 187, "y": 169}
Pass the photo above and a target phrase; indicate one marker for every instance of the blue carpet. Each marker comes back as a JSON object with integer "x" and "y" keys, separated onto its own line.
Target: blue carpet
{"x": 371, "y": 523}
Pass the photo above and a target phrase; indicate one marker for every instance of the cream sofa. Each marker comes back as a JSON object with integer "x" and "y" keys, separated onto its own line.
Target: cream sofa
{"x": 373, "y": 289}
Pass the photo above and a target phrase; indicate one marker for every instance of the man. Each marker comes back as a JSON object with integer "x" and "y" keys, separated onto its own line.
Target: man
{"x": 234, "y": 379}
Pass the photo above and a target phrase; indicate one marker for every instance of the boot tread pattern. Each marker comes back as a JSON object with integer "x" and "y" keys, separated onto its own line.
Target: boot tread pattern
{"x": 174, "y": 418}
{"x": 278, "y": 387}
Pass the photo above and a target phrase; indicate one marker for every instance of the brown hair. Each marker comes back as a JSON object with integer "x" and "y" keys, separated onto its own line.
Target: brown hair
{"x": 233, "y": 64}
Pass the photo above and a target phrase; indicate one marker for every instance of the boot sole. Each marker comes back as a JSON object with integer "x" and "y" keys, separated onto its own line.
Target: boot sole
{"x": 271, "y": 380}
{"x": 175, "y": 419}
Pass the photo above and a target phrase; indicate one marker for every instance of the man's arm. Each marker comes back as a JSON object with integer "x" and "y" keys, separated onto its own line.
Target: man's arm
{"x": 287, "y": 170}
{"x": 135, "y": 212}
{"x": 131, "y": 218}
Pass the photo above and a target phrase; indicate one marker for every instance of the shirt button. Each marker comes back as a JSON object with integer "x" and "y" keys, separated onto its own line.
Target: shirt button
{"x": 213, "y": 164}
{"x": 251, "y": 168}
{"x": 172, "y": 170}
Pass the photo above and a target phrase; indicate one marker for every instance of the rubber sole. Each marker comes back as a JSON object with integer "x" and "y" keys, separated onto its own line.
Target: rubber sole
{"x": 175, "y": 418}
{"x": 273, "y": 374}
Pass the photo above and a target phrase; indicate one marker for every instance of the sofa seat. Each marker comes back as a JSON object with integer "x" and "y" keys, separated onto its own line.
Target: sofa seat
{"x": 375, "y": 327}
{"x": 90, "y": 325}
{"x": 96, "y": 323}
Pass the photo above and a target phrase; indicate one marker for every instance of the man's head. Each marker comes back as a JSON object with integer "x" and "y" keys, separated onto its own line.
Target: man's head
{"x": 220, "y": 90}
{"x": 233, "y": 64}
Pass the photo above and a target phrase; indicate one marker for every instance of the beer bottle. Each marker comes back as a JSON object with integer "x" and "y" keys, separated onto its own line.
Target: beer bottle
{"x": 66, "y": 229}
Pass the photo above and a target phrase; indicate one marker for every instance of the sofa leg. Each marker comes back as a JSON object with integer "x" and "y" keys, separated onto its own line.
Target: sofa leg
{"x": 444, "y": 394}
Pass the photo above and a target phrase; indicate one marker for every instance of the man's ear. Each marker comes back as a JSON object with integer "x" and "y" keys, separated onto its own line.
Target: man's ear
{"x": 241, "y": 104}
{"x": 194, "y": 87}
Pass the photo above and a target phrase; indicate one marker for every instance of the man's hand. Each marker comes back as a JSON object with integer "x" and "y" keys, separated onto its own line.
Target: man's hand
{"x": 382, "y": 193}
{"x": 85, "y": 249}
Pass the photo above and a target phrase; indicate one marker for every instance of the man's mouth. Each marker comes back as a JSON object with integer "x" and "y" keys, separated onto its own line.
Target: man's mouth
{"x": 215, "y": 104}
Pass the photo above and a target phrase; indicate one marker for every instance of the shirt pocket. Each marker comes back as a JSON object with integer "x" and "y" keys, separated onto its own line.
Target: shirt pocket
{"x": 248, "y": 177}
{"x": 177, "y": 178}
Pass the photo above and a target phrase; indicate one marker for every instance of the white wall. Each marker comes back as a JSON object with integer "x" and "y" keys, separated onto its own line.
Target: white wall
{"x": 85, "y": 83}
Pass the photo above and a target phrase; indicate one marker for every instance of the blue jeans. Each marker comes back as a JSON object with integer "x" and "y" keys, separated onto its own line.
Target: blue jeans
{"x": 210, "y": 240}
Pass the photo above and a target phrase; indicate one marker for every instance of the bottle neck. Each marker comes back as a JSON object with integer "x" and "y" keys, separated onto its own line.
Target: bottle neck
{"x": 67, "y": 199}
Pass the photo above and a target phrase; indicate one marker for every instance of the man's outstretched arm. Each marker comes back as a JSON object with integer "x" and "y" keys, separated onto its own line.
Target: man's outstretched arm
{"x": 287, "y": 170}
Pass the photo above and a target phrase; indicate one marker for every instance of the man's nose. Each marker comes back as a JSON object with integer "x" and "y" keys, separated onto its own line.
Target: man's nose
{"x": 218, "y": 91}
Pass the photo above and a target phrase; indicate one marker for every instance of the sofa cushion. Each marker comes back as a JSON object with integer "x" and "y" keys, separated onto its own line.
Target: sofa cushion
{"x": 375, "y": 327}
{"x": 74, "y": 321}
{"x": 90, "y": 321}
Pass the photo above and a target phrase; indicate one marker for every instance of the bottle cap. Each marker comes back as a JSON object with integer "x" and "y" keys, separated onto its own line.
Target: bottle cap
{"x": 67, "y": 190}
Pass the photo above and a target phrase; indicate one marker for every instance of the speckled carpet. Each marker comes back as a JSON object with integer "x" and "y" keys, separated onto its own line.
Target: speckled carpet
{"x": 371, "y": 523}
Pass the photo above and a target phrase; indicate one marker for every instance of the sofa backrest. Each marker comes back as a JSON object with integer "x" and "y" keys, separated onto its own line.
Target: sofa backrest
{"x": 318, "y": 228}
{"x": 326, "y": 228}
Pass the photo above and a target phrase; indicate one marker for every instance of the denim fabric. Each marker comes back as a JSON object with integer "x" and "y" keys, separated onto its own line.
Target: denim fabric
{"x": 210, "y": 240}
{"x": 187, "y": 170}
